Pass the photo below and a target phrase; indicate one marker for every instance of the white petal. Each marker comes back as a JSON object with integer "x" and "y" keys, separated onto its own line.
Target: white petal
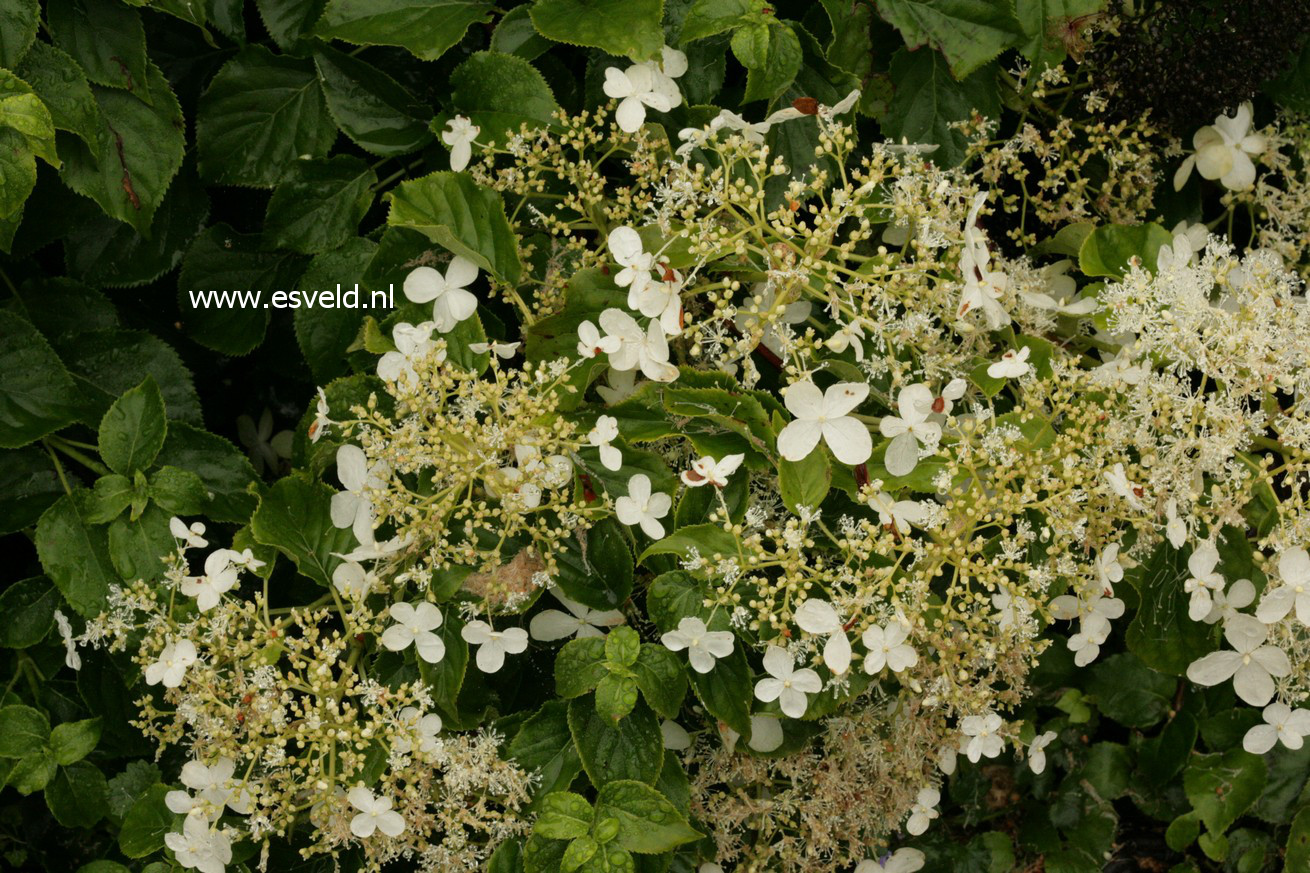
{"x": 817, "y": 617}
{"x": 552, "y": 625}
{"x": 799, "y": 438}
{"x": 849, "y": 440}
{"x": 902, "y": 455}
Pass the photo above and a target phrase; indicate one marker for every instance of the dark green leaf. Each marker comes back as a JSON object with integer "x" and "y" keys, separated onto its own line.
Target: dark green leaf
{"x": 221, "y": 466}
{"x": 370, "y": 107}
{"x": 137, "y": 545}
{"x": 619, "y": 27}
{"x": 30, "y": 483}
{"x": 23, "y": 730}
{"x": 178, "y": 491}
{"x": 499, "y": 93}
{"x": 145, "y": 824}
{"x": 28, "y": 607}
{"x": 133, "y": 430}
{"x": 1221, "y": 787}
{"x": 579, "y": 666}
{"x": 804, "y": 482}
{"x": 661, "y": 678}
{"x": 630, "y": 749}
{"x": 453, "y": 211}
{"x": 616, "y": 695}
{"x": 771, "y": 54}
{"x": 563, "y": 815}
{"x": 74, "y": 740}
{"x": 1129, "y": 693}
{"x": 75, "y": 554}
{"x": 105, "y": 363}
{"x": 708, "y": 17}
{"x": 428, "y": 28}
{"x": 595, "y": 567}
{"x": 77, "y": 795}
{"x": 1041, "y": 19}
{"x": 106, "y": 39}
{"x": 63, "y": 88}
{"x": 928, "y": 99}
{"x": 648, "y": 822}
{"x": 324, "y": 333}
{"x": 545, "y": 747}
{"x": 17, "y": 172}
{"x": 37, "y": 395}
{"x": 290, "y": 22}
{"x": 18, "y": 23}
{"x": 293, "y": 517}
{"x": 319, "y": 204}
{"x": 968, "y": 32}
{"x": 446, "y": 678}
{"x": 1161, "y": 634}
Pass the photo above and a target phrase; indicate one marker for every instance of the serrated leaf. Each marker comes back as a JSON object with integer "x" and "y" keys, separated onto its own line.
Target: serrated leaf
{"x": 22, "y": 110}
{"x": 1041, "y": 19}
{"x": 63, "y": 87}
{"x": 18, "y": 24}
{"x": 325, "y": 334}
{"x": 771, "y": 54}
{"x": 616, "y": 695}
{"x": 105, "y": 363}
{"x": 136, "y": 545}
{"x": 1108, "y": 250}
{"x": 178, "y": 491}
{"x": 73, "y": 740}
{"x": 294, "y": 518}
{"x": 708, "y": 17}
{"x": 319, "y": 204}
{"x": 968, "y": 32}
{"x": 545, "y": 747}
{"x": 1221, "y": 787}
{"x": 290, "y": 22}
{"x": 75, "y": 554}
{"x": 77, "y": 795}
{"x": 563, "y": 815}
{"x": 370, "y": 107}
{"x": 427, "y": 28}
{"x": 629, "y": 749}
{"x": 619, "y": 27}
{"x": 456, "y": 213}
{"x": 805, "y": 482}
{"x": 23, "y": 730}
{"x": 1161, "y": 633}
{"x": 37, "y": 395}
{"x": 222, "y": 467}
{"x": 17, "y": 172}
{"x": 133, "y": 430}
{"x": 106, "y": 39}
{"x": 145, "y": 824}
{"x": 928, "y": 99}
{"x": 28, "y": 607}
{"x": 648, "y": 822}
{"x": 595, "y": 566}
{"x": 579, "y": 666}
{"x": 661, "y": 678}
{"x": 499, "y": 93}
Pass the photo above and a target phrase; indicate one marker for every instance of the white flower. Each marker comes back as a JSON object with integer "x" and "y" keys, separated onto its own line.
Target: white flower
{"x": 904, "y": 860}
{"x": 642, "y": 507}
{"x": 1223, "y": 152}
{"x": 1227, "y": 605}
{"x": 424, "y": 726}
{"x": 414, "y": 625}
{"x": 923, "y": 811}
{"x": 1094, "y": 614}
{"x": 982, "y": 286}
{"x": 642, "y": 85}
{"x": 766, "y": 733}
{"x": 581, "y": 621}
{"x": 824, "y": 414}
{"x": 200, "y": 847}
{"x": 754, "y": 315}
{"x": 351, "y": 579}
{"x": 1294, "y": 569}
{"x": 818, "y": 617}
{"x": 172, "y": 664}
{"x": 496, "y": 347}
{"x": 219, "y": 578}
{"x": 412, "y": 342}
{"x": 215, "y": 789}
{"x": 786, "y": 684}
{"x": 319, "y": 425}
{"x": 352, "y": 508}
{"x": 1282, "y": 724}
{"x": 899, "y": 513}
{"x": 1062, "y": 290}
{"x": 375, "y": 550}
{"x": 451, "y": 302}
{"x": 492, "y": 644}
{"x": 660, "y": 299}
{"x": 1198, "y": 235}
{"x": 591, "y": 343}
{"x": 72, "y": 659}
{"x": 1037, "y": 751}
{"x": 1175, "y": 528}
{"x": 945, "y": 402}
{"x": 887, "y": 648}
{"x": 1108, "y": 569}
{"x": 605, "y": 430}
{"x": 1012, "y": 364}
{"x": 645, "y": 349}
{"x": 706, "y": 470}
{"x": 910, "y": 429}
{"x": 630, "y": 253}
{"x": 1174, "y": 256}
{"x": 703, "y": 645}
{"x": 1252, "y": 667}
{"x": 984, "y": 741}
{"x": 620, "y": 387}
{"x": 459, "y": 135}
{"x": 675, "y": 736}
{"x": 1203, "y": 580}
{"x": 375, "y": 814}
{"x": 1120, "y": 484}
{"x": 266, "y": 450}
{"x": 532, "y": 474}
{"x": 847, "y": 336}
{"x": 190, "y": 536}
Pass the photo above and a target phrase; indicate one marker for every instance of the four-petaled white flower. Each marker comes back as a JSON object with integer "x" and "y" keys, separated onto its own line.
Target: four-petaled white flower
{"x": 1228, "y": 604}
{"x": 591, "y": 343}
{"x": 1037, "y": 751}
{"x": 887, "y": 648}
{"x": 910, "y": 429}
{"x": 351, "y": 579}
{"x": 757, "y": 313}
{"x": 1252, "y": 667}
{"x": 414, "y": 625}
{"x": 352, "y": 508}
{"x": 896, "y": 513}
{"x": 707, "y": 471}
{"x": 451, "y": 301}
{"x": 319, "y": 425}
{"x": 219, "y": 578}
{"x": 923, "y": 811}
{"x": 703, "y": 645}
{"x": 200, "y": 847}
{"x": 424, "y": 727}
{"x": 984, "y": 741}
{"x": 1223, "y": 152}
{"x": 492, "y": 644}
{"x": 645, "y": 84}
{"x": 375, "y": 814}
{"x": 496, "y": 347}
{"x": 1094, "y": 611}
{"x": 825, "y": 415}
{"x": 1012, "y": 365}
{"x": 412, "y": 342}
{"x": 1062, "y": 289}
{"x": 600, "y": 435}
{"x": 191, "y": 537}
{"x": 580, "y": 621}
{"x": 459, "y": 135}
{"x": 1294, "y": 569}
{"x": 641, "y": 507}
{"x": 1282, "y": 724}
{"x": 629, "y": 251}
{"x": 786, "y": 684}
{"x": 818, "y": 617}
{"x": 1203, "y": 582}
{"x": 172, "y": 664}
{"x": 904, "y": 860}
{"x": 645, "y": 349}
{"x": 1120, "y": 484}
{"x": 215, "y": 790}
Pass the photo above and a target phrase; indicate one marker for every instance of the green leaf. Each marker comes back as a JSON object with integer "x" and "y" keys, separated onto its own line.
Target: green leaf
{"x": 37, "y": 395}
{"x": 17, "y": 172}
{"x": 456, "y": 213}
{"x": 106, "y": 39}
{"x": 1041, "y": 21}
{"x": 23, "y": 730}
{"x": 1108, "y": 250}
{"x": 1162, "y": 757}
{"x": 619, "y": 27}
{"x": 515, "y": 35}
{"x": 622, "y": 646}
{"x": 221, "y": 466}
{"x": 28, "y": 607}
{"x": 661, "y": 679}
{"x": 145, "y": 824}
{"x": 499, "y": 93}
{"x": 445, "y": 678}
{"x": 968, "y": 32}
{"x": 928, "y": 99}
{"x": 63, "y": 88}
{"x": 133, "y": 430}
{"x": 139, "y": 149}
{"x": 290, "y": 22}
{"x": 22, "y": 110}
{"x": 726, "y": 691}
{"x": 771, "y": 54}
{"x": 178, "y": 491}
{"x": 629, "y": 749}
{"x": 616, "y": 695}
{"x": 32, "y": 773}
{"x": 319, "y": 204}
{"x": 1221, "y": 787}
{"x": 105, "y": 363}
{"x": 77, "y": 795}
{"x": 370, "y": 107}
{"x": 30, "y": 484}
{"x": 1161, "y": 633}
{"x": 579, "y": 666}
{"x": 707, "y": 539}
{"x": 544, "y": 747}
{"x": 1129, "y": 693}
{"x": 563, "y": 816}
{"x": 648, "y": 822}
{"x": 676, "y": 594}
{"x": 136, "y": 544}
{"x": 579, "y": 852}
{"x": 293, "y": 517}
{"x": 1298, "y": 842}
{"x": 708, "y": 17}
{"x": 805, "y": 482}
{"x": 595, "y": 567}
{"x": 261, "y": 113}
{"x": 542, "y": 855}
{"x": 74, "y": 740}
{"x": 75, "y": 555}
{"x": 325, "y": 333}
{"x": 428, "y": 28}
{"x": 18, "y": 24}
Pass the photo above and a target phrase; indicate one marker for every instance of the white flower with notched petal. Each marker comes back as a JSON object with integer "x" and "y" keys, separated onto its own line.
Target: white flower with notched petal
{"x": 351, "y": 579}
{"x": 424, "y": 727}
{"x": 1203, "y": 582}
{"x": 707, "y": 471}
{"x": 451, "y": 302}
{"x": 496, "y": 347}
{"x": 375, "y": 814}
{"x": 786, "y": 684}
{"x": 984, "y": 741}
{"x": 910, "y": 429}
{"x": 352, "y": 508}
{"x": 1252, "y": 667}
{"x": 200, "y": 847}
{"x": 1012, "y": 365}
{"x": 641, "y": 507}
{"x": 460, "y": 134}
{"x": 645, "y": 349}
{"x": 190, "y": 536}
{"x": 904, "y": 860}
{"x": 1294, "y": 569}
{"x": 172, "y": 664}
{"x": 412, "y": 342}
{"x": 219, "y": 578}
{"x": 1223, "y": 151}
{"x": 627, "y": 249}
{"x": 591, "y": 343}
{"x": 1037, "y": 751}
{"x": 605, "y": 430}
{"x": 580, "y": 621}
{"x": 825, "y": 415}
{"x": 703, "y": 645}
{"x": 414, "y": 625}
{"x": 492, "y": 644}
{"x": 1230, "y": 603}
{"x": 887, "y": 647}
{"x": 896, "y": 513}
{"x": 923, "y": 811}
{"x": 1282, "y": 724}
{"x": 215, "y": 789}
{"x": 645, "y": 84}
{"x": 820, "y": 618}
